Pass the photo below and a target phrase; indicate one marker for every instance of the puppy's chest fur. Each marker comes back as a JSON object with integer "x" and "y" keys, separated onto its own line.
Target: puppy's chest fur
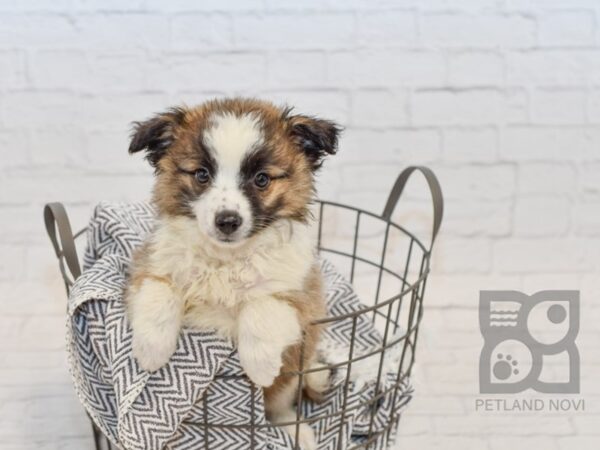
{"x": 214, "y": 284}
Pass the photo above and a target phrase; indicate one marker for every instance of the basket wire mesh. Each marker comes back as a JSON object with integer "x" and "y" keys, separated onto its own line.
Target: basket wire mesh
{"x": 388, "y": 315}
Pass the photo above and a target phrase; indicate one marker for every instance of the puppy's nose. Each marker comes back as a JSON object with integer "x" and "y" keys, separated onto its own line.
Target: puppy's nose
{"x": 228, "y": 221}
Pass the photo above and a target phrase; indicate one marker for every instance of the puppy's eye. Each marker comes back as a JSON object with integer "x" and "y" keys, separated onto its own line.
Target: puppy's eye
{"x": 202, "y": 175}
{"x": 262, "y": 180}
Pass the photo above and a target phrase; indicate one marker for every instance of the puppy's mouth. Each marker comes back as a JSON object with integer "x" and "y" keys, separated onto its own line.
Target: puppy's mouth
{"x": 228, "y": 240}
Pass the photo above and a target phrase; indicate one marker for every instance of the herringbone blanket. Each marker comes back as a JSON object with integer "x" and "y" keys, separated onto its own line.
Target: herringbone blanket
{"x": 201, "y": 395}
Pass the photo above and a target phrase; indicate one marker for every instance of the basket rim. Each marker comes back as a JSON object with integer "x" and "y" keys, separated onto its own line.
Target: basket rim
{"x": 381, "y": 217}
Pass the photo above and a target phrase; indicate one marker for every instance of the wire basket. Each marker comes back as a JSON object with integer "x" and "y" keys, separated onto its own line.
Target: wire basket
{"x": 392, "y": 263}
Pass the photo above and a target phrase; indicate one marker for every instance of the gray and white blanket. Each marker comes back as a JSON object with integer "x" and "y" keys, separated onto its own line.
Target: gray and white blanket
{"x": 203, "y": 383}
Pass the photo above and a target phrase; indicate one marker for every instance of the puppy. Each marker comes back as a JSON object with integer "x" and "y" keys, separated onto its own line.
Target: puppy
{"x": 232, "y": 248}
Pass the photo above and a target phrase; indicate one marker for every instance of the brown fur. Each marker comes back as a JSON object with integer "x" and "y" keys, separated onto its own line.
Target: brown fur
{"x": 293, "y": 150}
{"x": 291, "y": 194}
{"x": 310, "y": 306}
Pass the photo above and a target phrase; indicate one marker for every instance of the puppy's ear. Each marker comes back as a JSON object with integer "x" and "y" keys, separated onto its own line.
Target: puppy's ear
{"x": 156, "y": 134}
{"x": 316, "y": 137}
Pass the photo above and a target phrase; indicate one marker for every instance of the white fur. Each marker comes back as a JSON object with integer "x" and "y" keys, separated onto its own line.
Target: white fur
{"x": 232, "y": 137}
{"x": 318, "y": 380}
{"x": 364, "y": 370}
{"x": 280, "y": 407}
{"x": 156, "y": 313}
{"x": 229, "y": 139}
{"x": 306, "y": 435}
{"x": 266, "y": 327}
{"x": 280, "y": 411}
{"x": 228, "y": 289}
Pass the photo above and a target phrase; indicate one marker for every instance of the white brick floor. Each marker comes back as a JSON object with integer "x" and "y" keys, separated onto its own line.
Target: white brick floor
{"x": 500, "y": 97}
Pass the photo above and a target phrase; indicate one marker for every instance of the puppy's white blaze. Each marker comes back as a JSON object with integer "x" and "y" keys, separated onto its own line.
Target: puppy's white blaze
{"x": 229, "y": 139}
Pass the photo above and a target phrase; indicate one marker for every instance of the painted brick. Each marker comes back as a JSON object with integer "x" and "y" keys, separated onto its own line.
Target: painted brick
{"x": 56, "y": 147}
{"x": 329, "y": 104}
{"x": 541, "y": 282}
{"x": 116, "y": 111}
{"x": 38, "y": 30}
{"x": 553, "y": 67}
{"x": 12, "y": 69}
{"x": 387, "y": 28}
{"x": 106, "y": 152}
{"x": 563, "y": 28}
{"x": 586, "y": 216}
{"x": 11, "y": 140}
{"x": 185, "y": 6}
{"x": 201, "y": 31}
{"x": 306, "y": 31}
{"x": 459, "y": 255}
{"x": 474, "y": 6}
{"x": 579, "y": 442}
{"x": 475, "y": 68}
{"x": 499, "y": 97}
{"x": 21, "y": 224}
{"x": 473, "y": 107}
{"x": 297, "y": 69}
{"x": 587, "y": 424}
{"x": 590, "y": 179}
{"x": 14, "y": 6}
{"x": 379, "y": 108}
{"x": 121, "y": 32}
{"x": 201, "y": 72}
{"x": 485, "y": 30}
{"x": 73, "y": 186}
{"x": 542, "y": 216}
{"x": 594, "y": 106}
{"x": 41, "y": 109}
{"x": 518, "y": 443}
{"x": 12, "y": 261}
{"x": 474, "y": 217}
{"x": 439, "y": 443}
{"x": 542, "y": 255}
{"x": 369, "y": 178}
{"x": 470, "y": 145}
{"x": 487, "y": 182}
{"x": 400, "y": 146}
{"x": 546, "y": 178}
{"x": 549, "y": 144}
{"x": 505, "y": 424}
{"x": 559, "y": 106}
{"x": 373, "y": 68}
{"x": 89, "y": 72}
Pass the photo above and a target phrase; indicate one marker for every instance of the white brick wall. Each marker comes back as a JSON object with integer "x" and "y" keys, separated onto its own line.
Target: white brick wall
{"x": 500, "y": 97}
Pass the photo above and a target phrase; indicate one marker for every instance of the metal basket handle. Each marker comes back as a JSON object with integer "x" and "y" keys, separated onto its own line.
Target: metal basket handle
{"x": 436, "y": 196}
{"x": 55, "y": 218}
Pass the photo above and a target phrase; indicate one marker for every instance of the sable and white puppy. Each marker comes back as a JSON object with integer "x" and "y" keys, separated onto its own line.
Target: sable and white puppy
{"x": 232, "y": 248}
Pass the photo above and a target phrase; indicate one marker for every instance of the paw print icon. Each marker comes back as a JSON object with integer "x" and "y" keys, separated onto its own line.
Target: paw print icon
{"x": 529, "y": 342}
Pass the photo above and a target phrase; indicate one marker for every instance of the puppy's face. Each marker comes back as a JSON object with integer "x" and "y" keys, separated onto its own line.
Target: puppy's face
{"x": 235, "y": 166}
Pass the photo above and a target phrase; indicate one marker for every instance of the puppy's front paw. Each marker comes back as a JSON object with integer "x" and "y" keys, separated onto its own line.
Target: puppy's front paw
{"x": 306, "y": 436}
{"x": 152, "y": 354}
{"x": 266, "y": 328}
{"x": 155, "y": 314}
{"x": 317, "y": 383}
{"x": 260, "y": 360}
